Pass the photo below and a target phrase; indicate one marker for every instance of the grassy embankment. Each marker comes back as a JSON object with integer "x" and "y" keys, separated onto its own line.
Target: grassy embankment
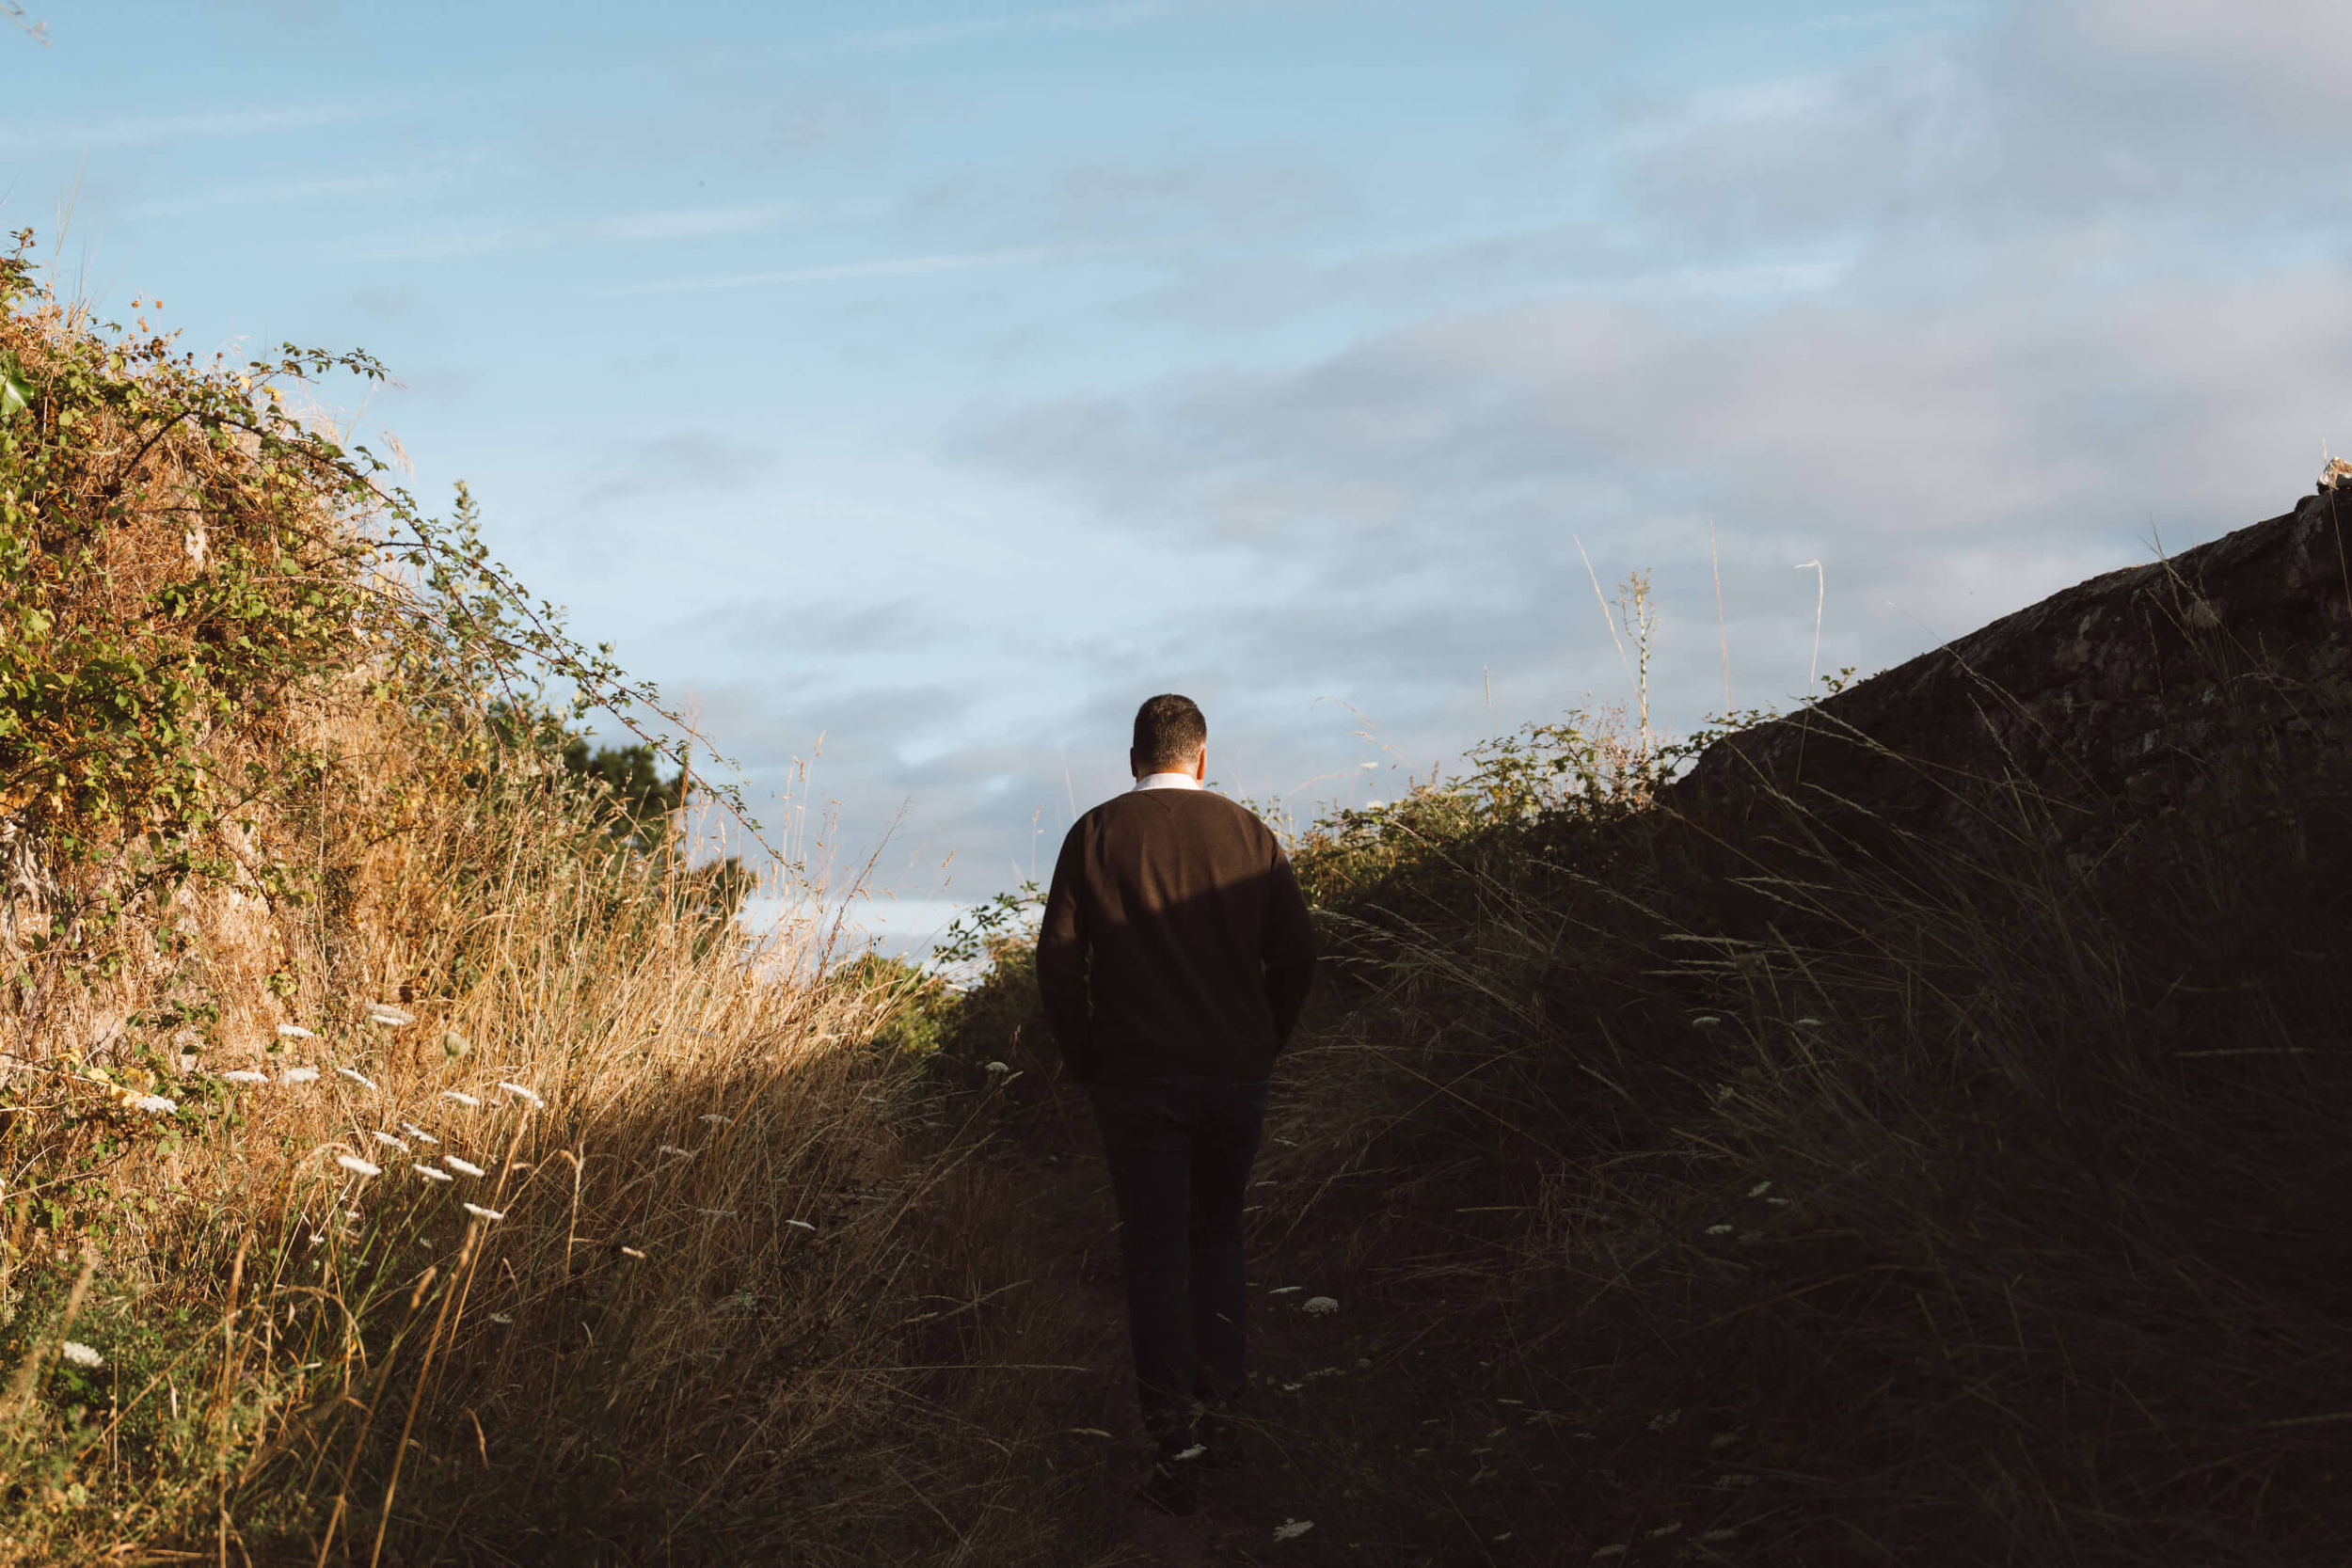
{"x": 400, "y": 1159}
{"x": 1812, "y": 1193}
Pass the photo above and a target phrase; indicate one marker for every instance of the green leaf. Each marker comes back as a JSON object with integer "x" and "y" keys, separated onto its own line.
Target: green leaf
{"x": 14, "y": 393}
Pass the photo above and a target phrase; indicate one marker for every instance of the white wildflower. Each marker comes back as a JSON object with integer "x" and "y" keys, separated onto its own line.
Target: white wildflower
{"x": 454, "y": 1045}
{"x": 673, "y": 1149}
{"x": 502, "y": 1320}
{"x": 357, "y": 1077}
{"x": 389, "y": 1141}
{"x": 1809, "y": 1023}
{"x": 803, "y": 1223}
{"x": 480, "y": 1213}
{"x": 632, "y": 1252}
{"x": 155, "y": 1104}
{"x": 1319, "y": 1306}
{"x": 433, "y": 1174}
{"x": 1706, "y": 1020}
{"x": 80, "y": 1354}
{"x": 1286, "y": 1290}
{"x": 357, "y": 1167}
{"x": 463, "y": 1167}
{"x": 1617, "y": 1550}
{"x": 245, "y": 1075}
{"x": 1291, "y": 1529}
{"x": 461, "y": 1097}
{"x": 1777, "y": 1202}
{"x": 1719, "y": 1231}
{"x": 1759, "y": 1189}
{"x": 715, "y": 1120}
{"x": 390, "y": 1017}
{"x": 1665, "y": 1529}
{"x": 1194, "y": 1453}
{"x": 419, "y": 1133}
{"x": 528, "y": 1096}
{"x": 294, "y": 1032}
{"x": 993, "y": 1067}
{"x": 300, "y": 1075}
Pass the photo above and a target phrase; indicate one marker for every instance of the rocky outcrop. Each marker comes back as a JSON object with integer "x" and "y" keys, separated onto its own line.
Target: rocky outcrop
{"x": 2108, "y": 701}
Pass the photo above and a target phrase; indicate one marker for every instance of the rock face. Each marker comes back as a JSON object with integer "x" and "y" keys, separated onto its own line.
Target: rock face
{"x": 2104, "y": 703}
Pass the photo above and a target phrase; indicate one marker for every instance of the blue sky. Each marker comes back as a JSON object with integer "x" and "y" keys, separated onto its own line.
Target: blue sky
{"x": 941, "y": 380}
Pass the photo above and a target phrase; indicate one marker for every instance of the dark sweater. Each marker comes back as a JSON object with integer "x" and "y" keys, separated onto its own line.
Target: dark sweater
{"x": 1175, "y": 941}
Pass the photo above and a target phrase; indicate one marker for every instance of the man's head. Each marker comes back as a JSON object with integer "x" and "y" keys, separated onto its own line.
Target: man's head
{"x": 1171, "y": 737}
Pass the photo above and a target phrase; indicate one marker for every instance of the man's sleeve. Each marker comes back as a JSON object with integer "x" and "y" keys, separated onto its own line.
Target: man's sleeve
{"x": 1289, "y": 952}
{"x": 1061, "y": 962}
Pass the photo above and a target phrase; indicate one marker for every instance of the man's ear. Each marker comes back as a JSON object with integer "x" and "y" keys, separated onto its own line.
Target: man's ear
{"x": 1201, "y": 764}
{"x": 1135, "y": 768}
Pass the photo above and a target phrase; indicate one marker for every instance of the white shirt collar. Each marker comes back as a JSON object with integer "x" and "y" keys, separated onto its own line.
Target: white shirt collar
{"x": 1167, "y": 781}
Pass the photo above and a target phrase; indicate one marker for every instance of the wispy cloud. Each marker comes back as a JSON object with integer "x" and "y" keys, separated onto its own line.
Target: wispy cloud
{"x": 889, "y": 266}
{"x": 20, "y": 139}
{"x": 691, "y": 223}
{"x": 275, "y": 193}
{"x": 1125, "y": 13}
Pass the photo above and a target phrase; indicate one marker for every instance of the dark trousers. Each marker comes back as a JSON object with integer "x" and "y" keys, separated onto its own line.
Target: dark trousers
{"x": 1179, "y": 1149}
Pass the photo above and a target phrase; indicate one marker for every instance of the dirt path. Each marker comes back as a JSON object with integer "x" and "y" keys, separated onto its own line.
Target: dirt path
{"x": 1070, "y": 1245}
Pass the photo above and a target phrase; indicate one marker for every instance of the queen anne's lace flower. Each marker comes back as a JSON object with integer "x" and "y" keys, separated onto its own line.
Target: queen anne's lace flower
{"x": 80, "y": 1354}
{"x": 463, "y": 1167}
{"x": 1291, "y": 1529}
{"x": 357, "y": 1167}
{"x": 245, "y": 1075}
{"x": 1319, "y": 1306}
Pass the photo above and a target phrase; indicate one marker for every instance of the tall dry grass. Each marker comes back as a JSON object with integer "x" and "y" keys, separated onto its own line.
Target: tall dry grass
{"x": 1820, "y": 1193}
{"x": 395, "y": 1164}
{"x": 670, "y": 1301}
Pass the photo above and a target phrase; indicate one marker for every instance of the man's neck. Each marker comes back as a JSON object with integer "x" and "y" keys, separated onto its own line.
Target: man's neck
{"x": 1167, "y": 781}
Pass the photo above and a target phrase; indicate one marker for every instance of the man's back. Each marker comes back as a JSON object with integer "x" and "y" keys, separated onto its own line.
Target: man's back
{"x": 1175, "y": 939}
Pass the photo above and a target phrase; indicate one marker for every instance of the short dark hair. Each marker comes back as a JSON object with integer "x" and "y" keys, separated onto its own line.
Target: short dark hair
{"x": 1169, "y": 729}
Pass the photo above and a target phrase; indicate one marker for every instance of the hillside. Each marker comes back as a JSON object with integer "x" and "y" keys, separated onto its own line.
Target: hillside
{"x": 1911, "y": 1136}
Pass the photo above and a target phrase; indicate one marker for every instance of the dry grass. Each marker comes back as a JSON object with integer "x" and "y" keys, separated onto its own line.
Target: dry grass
{"x": 1829, "y": 1196}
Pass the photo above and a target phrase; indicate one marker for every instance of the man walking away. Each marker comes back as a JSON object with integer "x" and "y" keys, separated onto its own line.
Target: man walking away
{"x": 1174, "y": 959}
